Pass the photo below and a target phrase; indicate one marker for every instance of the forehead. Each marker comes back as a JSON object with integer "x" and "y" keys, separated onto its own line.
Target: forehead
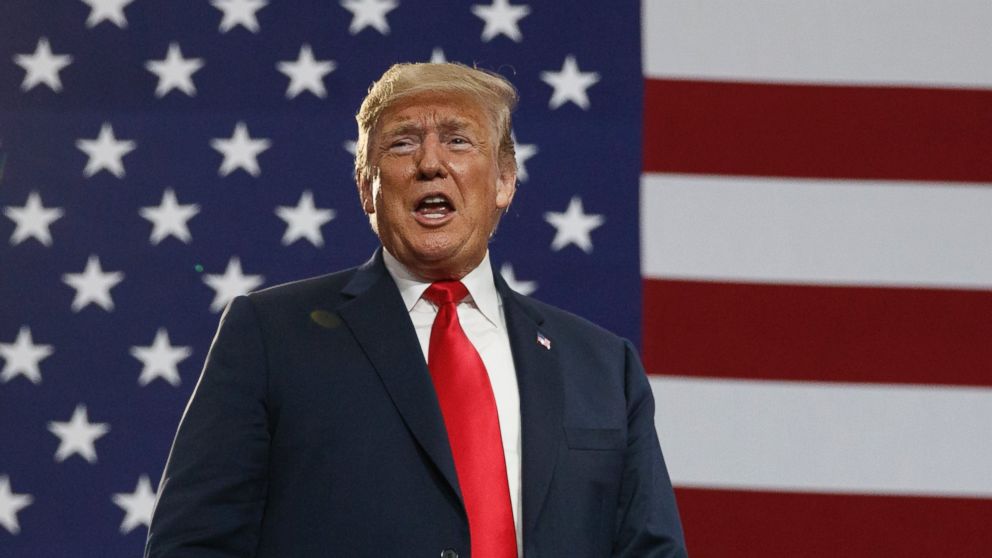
{"x": 432, "y": 109}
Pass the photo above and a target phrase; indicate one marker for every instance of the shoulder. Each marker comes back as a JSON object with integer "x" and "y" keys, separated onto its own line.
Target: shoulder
{"x": 305, "y": 287}
{"x": 597, "y": 367}
{"x": 312, "y": 293}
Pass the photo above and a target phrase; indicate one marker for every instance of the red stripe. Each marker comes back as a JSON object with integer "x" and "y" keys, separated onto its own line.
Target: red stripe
{"x": 722, "y": 523}
{"x": 845, "y": 334}
{"x": 817, "y": 131}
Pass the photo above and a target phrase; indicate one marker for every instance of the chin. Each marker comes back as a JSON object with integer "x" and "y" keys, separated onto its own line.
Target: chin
{"x": 435, "y": 246}
{"x": 438, "y": 259}
{"x": 441, "y": 263}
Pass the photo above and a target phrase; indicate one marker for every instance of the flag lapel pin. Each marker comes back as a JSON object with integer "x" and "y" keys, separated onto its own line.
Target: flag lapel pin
{"x": 543, "y": 341}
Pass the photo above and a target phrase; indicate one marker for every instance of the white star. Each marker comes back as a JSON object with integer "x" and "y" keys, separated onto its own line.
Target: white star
{"x": 501, "y": 19}
{"x": 137, "y": 505}
{"x": 10, "y": 504}
{"x": 523, "y": 152}
{"x": 369, "y": 13}
{"x": 230, "y": 285}
{"x": 525, "y": 288}
{"x": 573, "y": 226}
{"x": 239, "y": 12}
{"x": 161, "y": 359}
{"x": 306, "y": 73}
{"x": 42, "y": 66}
{"x": 351, "y": 146}
{"x": 107, "y": 10}
{"x": 437, "y": 56}
{"x": 304, "y": 221}
{"x": 240, "y": 151}
{"x": 570, "y": 84}
{"x": 174, "y": 72}
{"x": 78, "y": 435}
{"x": 32, "y": 220}
{"x": 105, "y": 152}
{"x": 22, "y": 357}
{"x": 93, "y": 285}
{"x": 169, "y": 218}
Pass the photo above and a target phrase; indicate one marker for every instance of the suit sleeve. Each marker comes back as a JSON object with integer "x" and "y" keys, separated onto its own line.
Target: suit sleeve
{"x": 212, "y": 492}
{"x": 648, "y": 524}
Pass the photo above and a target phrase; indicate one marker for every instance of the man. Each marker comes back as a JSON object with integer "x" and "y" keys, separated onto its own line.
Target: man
{"x": 416, "y": 406}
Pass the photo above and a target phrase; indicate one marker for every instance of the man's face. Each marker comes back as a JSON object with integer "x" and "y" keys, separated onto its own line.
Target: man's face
{"x": 437, "y": 191}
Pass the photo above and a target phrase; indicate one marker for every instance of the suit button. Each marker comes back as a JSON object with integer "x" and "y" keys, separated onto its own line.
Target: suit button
{"x": 448, "y": 553}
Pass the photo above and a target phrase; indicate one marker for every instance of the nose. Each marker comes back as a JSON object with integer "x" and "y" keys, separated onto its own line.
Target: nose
{"x": 430, "y": 162}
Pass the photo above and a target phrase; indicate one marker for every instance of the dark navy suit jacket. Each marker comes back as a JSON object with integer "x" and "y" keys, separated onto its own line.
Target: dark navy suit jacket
{"x": 315, "y": 431}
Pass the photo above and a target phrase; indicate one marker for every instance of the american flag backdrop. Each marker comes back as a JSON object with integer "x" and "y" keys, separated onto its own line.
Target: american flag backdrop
{"x": 787, "y": 203}
{"x": 162, "y": 157}
{"x": 816, "y": 246}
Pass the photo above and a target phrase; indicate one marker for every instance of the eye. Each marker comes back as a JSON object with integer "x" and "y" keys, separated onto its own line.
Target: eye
{"x": 402, "y": 145}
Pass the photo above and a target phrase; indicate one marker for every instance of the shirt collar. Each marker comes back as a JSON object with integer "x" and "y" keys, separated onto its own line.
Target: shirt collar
{"x": 479, "y": 282}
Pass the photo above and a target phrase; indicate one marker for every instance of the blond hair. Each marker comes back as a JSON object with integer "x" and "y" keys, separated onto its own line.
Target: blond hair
{"x": 493, "y": 92}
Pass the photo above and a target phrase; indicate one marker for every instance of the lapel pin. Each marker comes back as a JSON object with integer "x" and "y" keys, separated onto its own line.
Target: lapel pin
{"x": 543, "y": 341}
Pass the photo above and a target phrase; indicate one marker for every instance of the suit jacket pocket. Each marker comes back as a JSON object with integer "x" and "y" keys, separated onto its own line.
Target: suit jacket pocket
{"x": 595, "y": 438}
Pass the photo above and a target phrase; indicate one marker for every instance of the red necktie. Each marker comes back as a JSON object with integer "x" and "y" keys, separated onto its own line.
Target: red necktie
{"x": 470, "y": 416}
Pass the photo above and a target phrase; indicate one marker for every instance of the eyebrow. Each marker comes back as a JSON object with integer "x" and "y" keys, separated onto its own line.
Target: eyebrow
{"x": 446, "y": 125}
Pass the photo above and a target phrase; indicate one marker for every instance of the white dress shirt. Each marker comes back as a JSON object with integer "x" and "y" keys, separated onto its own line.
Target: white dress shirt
{"x": 481, "y": 317}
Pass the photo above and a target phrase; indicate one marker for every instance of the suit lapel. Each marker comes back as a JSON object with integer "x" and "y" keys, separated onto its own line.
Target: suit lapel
{"x": 380, "y": 323}
{"x": 377, "y": 313}
{"x": 539, "y": 377}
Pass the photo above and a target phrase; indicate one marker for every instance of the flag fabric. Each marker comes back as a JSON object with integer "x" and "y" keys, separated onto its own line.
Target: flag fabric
{"x": 816, "y": 246}
{"x": 159, "y": 158}
{"x": 788, "y": 203}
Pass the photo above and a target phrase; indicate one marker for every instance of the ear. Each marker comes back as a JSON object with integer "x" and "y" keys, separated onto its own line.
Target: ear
{"x": 506, "y": 186}
{"x": 365, "y": 195}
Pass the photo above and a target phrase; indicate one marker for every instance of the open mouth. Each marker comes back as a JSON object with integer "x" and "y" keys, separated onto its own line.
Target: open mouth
{"x": 434, "y": 207}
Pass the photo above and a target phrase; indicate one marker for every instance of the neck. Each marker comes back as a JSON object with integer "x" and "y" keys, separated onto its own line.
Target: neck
{"x": 427, "y": 273}
{"x": 440, "y": 271}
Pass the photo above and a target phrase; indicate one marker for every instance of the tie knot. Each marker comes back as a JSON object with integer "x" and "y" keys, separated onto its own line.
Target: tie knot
{"x": 446, "y": 292}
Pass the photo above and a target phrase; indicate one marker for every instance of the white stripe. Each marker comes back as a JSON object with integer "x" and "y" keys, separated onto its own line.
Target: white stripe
{"x": 925, "y": 42}
{"x": 816, "y": 231}
{"x": 909, "y": 440}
